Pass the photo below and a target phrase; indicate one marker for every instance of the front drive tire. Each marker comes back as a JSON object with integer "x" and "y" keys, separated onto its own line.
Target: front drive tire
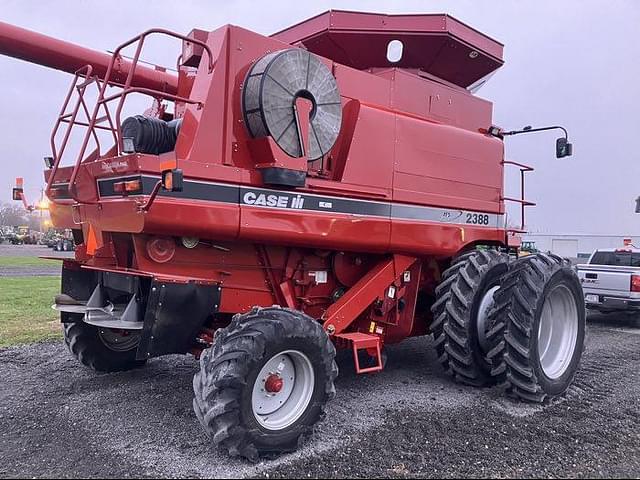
{"x": 103, "y": 350}
{"x": 539, "y": 310}
{"x": 271, "y": 360}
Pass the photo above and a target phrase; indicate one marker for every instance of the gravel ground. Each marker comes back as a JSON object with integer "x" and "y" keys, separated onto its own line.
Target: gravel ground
{"x": 59, "y": 419}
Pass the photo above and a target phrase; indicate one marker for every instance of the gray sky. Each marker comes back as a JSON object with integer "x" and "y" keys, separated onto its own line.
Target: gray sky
{"x": 573, "y": 63}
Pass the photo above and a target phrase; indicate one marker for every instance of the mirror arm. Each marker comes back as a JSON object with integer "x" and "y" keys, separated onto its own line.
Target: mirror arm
{"x": 540, "y": 129}
{"x": 563, "y": 147}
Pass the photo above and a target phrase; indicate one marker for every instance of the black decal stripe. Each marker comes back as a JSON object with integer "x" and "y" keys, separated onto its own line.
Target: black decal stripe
{"x": 312, "y": 202}
{"x": 209, "y": 192}
{"x": 62, "y": 191}
{"x": 192, "y": 190}
{"x": 235, "y": 194}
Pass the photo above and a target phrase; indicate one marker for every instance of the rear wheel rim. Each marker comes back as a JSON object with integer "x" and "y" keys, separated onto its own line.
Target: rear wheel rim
{"x": 277, "y": 410}
{"x": 557, "y": 331}
{"x": 119, "y": 340}
{"x": 482, "y": 317}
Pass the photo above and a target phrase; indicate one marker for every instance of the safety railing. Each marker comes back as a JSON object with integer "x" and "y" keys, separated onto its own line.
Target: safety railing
{"x": 94, "y": 121}
{"x": 522, "y": 201}
{"x": 83, "y": 78}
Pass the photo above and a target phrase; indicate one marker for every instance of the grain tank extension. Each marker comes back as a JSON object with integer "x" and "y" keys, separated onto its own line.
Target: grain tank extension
{"x": 336, "y": 185}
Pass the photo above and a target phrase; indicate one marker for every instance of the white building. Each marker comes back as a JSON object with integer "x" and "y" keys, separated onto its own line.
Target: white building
{"x": 578, "y": 245}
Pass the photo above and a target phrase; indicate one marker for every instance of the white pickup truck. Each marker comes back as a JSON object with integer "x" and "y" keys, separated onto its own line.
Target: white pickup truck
{"x": 611, "y": 280}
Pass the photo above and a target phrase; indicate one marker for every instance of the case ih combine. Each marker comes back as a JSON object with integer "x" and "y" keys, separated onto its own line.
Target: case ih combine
{"x": 335, "y": 185}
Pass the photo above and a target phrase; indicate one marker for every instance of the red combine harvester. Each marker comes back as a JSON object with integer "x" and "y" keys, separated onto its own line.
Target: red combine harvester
{"x": 334, "y": 185}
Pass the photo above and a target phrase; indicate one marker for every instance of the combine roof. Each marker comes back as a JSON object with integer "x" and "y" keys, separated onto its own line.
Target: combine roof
{"x": 435, "y": 43}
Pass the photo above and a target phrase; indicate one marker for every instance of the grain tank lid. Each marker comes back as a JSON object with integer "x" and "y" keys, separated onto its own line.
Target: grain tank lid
{"x": 436, "y": 43}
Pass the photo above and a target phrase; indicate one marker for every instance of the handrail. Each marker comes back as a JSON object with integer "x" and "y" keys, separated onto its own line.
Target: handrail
{"x": 134, "y": 63}
{"x": 526, "y": 203}
{"x": 144, "y": 207}
{"x": 63, "y": 114}
{"x": 70, "y": 118}
{"x": 527, "y": 168}
{"x": 127, "y": 89}
{"x": 163, "y": 31}
{"x": 91, "y": 130}
{"x": 522, "y": 201}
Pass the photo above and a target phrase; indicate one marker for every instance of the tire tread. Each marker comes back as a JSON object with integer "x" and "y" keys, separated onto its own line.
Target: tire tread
{"x": 452, "y": 315}
{"x": 225, "y": 367}
{"x": 513, "y": 318}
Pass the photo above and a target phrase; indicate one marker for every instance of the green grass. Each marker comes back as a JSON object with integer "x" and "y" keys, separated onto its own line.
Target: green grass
{"x": 27, "y": 262}
{"x": 26, "y": 315}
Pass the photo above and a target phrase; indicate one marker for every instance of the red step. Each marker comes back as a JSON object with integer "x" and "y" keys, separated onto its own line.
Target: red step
{"x": 363, "y": 341}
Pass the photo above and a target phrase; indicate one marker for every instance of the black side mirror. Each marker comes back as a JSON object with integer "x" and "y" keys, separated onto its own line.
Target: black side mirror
{"x": 563, "y": 148}
{"x": 172, "y": 180}
{"x": 638, "y": 205}
{"x": 17, "y": 193}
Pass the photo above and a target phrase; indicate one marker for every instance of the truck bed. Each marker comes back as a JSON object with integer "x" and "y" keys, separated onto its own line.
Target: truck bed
{"x": 608, "y": 288}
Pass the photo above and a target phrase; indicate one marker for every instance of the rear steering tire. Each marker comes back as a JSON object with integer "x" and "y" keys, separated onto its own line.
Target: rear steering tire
{"x": 460, "y": 327}
{"x": 103, "y": 350}
{"x": 538, "y": 322}
{"x": 265, "y": 382}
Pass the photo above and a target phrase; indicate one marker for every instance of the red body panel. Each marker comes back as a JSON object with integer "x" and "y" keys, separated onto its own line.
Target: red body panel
{"x": 411, "y": 181}
{"x": 402, "y": 155}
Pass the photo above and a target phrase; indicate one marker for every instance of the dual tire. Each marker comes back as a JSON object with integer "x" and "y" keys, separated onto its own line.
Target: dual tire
{"x": 539, "y": 323}
{"x": 518, "y": 324}
{"x": 459, "y": 326}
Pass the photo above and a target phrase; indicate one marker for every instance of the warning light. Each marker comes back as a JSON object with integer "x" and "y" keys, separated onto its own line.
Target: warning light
{"x": 172, "y": 180}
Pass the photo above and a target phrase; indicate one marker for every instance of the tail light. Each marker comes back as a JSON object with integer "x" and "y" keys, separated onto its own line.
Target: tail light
{"x": 635, "y": 283}
{"x": 161, "y": 249}
{"x": 128, "y": 187}
{"x": 18, "y": 190}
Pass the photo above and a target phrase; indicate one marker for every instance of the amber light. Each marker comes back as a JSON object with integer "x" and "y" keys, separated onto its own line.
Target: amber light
{"x": 161, "y": 249}
{"x": 635, "y": 283}
{"x": 172, "y": 180}
{"x": 168, "y": 181}
{"x": 128, "y": 186}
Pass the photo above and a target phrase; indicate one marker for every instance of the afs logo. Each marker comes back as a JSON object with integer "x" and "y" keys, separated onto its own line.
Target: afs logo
{"x": 450, "y": 215}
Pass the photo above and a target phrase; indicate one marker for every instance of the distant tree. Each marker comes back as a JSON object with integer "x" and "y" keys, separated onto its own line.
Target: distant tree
{"x": 12, "y": 214}
{"x": 34, "y": 221}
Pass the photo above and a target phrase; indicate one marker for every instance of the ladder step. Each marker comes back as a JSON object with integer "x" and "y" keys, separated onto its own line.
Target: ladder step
{"x": 363, "y": 341}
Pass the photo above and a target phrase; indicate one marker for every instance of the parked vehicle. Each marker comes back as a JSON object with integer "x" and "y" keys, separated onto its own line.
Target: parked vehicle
{"x": 63, "y": 245}
{"x": 528, "y": 248}
{"x": 59, "y": 240}
{"x": 611, "y": 280}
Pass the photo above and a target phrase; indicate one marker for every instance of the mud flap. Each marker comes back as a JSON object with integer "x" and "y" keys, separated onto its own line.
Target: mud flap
{"x": 175, "y": 315}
